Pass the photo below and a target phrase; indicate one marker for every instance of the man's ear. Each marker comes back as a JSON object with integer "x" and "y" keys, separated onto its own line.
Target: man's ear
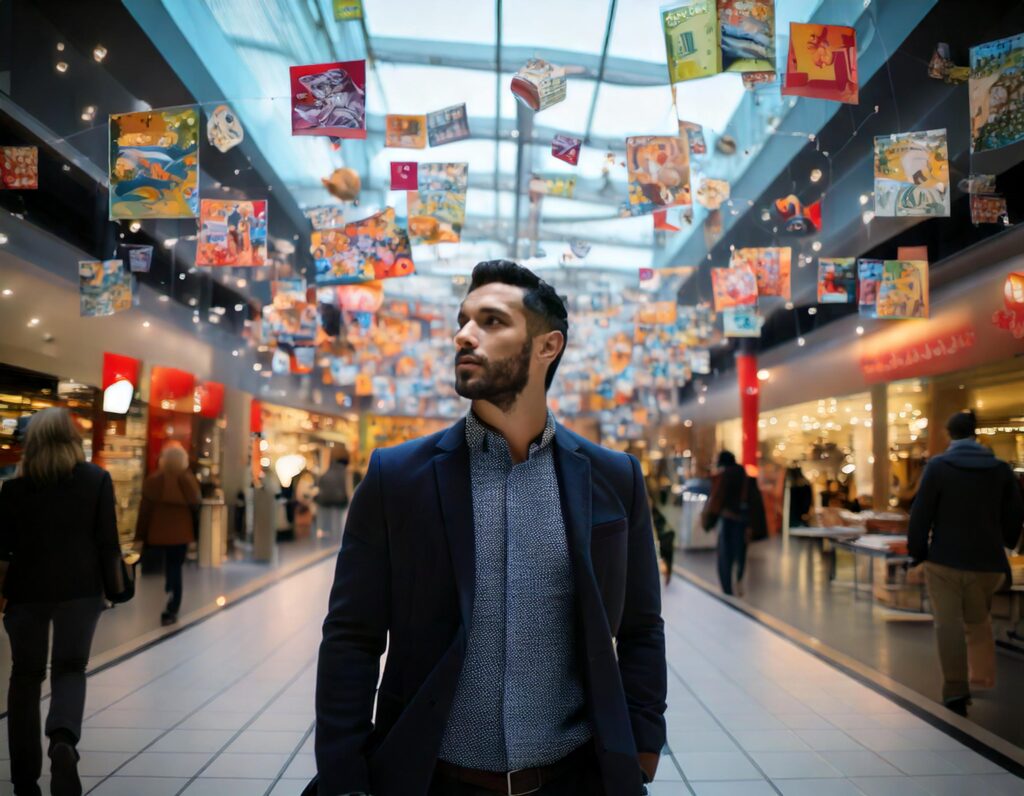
{"x": 550, "y": 345}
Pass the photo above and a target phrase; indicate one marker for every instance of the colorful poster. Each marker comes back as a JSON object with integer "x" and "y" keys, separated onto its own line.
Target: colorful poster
{"x": 447, "y": 125}
{"x": 903, "y": 291}
{"x": 232, "y": 232}
{"x": 290, "y": 318}
{"x": 346, "y": 10}
{"x": 799, "y": 219}
{"x": 733, "y": 287}
{"x": 741, "y": 322}
{"x": 691, "y": 39}
{"x": 373, "y": 248}
{"x": 659, "y": 173}
{"x": 822, "y": 62}
{"x": 747, "y": 29}
{"x": 579, "y": 248}
{"x": 104, "y": 288}
{"x": 329, "y": 99}
{"x": 19, "y": 168}
{"x": 404, "y": 176}
{"x": 837, "y": 280}
{"x": 666, "y": 280}
{"x": 656, "y": 313}
{"x": 997, "y": 100}
{"x": 325, "y": 216}
{"x": 405, "y": 132}
{"x": 770, "y": 265}
{"x": 699, "y": 360}
{"x": 539, "y": 85}
{"x": 695, "y": 136}
{"x": 154, "y": 164}
{"x": 559, "y": 185}
{"x": 140, "y": 257}
{"x": 437, "y": 210}
{"x": 566, "y": 148}
{"x": 988, "y": 209}
{"x": 223, "y": 129}
{"x": 712, "y": 193}
{"x": 869, "y": 277}
{"x": 912, "y": 174}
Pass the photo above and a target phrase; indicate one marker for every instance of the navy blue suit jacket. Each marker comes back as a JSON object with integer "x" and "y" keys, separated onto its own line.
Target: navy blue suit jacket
{"x": 405, "y": 580}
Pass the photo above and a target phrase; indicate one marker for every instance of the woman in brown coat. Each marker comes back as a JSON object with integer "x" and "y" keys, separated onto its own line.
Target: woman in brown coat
{"x": 170, "y": 497}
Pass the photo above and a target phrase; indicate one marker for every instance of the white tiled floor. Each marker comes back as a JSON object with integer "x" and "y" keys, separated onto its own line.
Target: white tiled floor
{"x": 226, "y": 709}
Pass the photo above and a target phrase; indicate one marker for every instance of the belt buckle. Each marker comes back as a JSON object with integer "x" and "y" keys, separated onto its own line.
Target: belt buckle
{"x": 508, "y": 782}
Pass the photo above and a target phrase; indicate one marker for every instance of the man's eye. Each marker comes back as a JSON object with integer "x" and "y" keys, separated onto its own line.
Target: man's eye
{"x": 493, "y": 322}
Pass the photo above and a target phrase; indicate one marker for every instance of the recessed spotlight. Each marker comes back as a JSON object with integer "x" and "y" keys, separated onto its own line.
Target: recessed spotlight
{"x": 88, "y": 113}
{"x": 145, "y": 324}
{"x": 800, "y": 341}
{"x": 62, "y": 66}
{"x": 135, "y": 226}
{"x": 257, "y": 366}
{"x": 812, "y": 310}
{"x": 33, "y": 322}
{"x": 164, "y": 298}
{"x": 816, "y": 245}
{"x": 860, "y": 330}
{"x": 815, "y": 175}
{"x": 867, "y": 216}
{"x": 241, "y": 281}
{"x": 99, "y": 52}
{"x": 7, "y": 292}
{"x": 60, "y": 46}
{"x": 169, "y": 242}
{"x": 3, "y": 239}
{"x": 239, "y": 307}
{"x": 763, "y": 374}
{"x": 863, "y": 199}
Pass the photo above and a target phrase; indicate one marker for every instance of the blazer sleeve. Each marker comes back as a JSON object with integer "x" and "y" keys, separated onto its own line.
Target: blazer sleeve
{"x": 922, "y": 513}
{"x": 108, "y": 544}
{"x": 354, "y": 638}
{"x": 1012, "y": 511}
{"x": 7, "y": 524}
{"x": 641, "y": 638}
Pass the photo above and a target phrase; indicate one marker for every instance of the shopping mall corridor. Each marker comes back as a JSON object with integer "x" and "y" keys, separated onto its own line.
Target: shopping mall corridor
{"x": 225, "y": 708}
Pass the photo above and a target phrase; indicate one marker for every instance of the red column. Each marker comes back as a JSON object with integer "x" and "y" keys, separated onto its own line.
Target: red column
{"x": 750, "y": 390}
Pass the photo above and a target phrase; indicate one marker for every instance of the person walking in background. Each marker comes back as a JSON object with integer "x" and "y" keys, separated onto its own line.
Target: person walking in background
{"x": 332, "y": 497}
{"x": 968, "y": 509}
{"x": 59, "y": 535}
{"x": 801, "y": 497}
{"x": 170, "y": 498}
{"x": 735, "y": 503}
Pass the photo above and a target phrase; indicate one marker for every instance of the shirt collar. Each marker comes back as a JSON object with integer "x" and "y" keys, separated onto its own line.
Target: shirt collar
{"x": 479, "y": 435}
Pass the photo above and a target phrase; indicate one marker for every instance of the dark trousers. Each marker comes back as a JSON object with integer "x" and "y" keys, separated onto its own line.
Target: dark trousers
{"x": 174, "y": 560}
{"x": 583, "y": 778}
{"x": 28, "y": 627}
{"x": 732, "y": 551}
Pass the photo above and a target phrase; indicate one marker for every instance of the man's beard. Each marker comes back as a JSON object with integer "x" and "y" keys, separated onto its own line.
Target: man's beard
{"x": 500, "y": 383}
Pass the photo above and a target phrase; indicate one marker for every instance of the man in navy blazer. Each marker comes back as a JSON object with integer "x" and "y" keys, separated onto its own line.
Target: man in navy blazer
{"x": 507, "y": 567}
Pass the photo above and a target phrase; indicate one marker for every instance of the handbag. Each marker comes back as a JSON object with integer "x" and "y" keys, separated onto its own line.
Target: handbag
{"x": 119, "y": 585}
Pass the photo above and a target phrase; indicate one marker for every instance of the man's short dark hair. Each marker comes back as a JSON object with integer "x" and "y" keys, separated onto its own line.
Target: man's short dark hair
{"x": 962, "y": 425}
{"x": 546, "y": 311}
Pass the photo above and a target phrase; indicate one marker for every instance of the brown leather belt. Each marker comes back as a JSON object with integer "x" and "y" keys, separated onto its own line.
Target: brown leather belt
{"x": 512, "y": 783}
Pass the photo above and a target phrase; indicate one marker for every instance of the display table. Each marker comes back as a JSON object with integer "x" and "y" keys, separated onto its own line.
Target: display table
{"x": 889, "y": 586}
{"x": 686, "y": 519}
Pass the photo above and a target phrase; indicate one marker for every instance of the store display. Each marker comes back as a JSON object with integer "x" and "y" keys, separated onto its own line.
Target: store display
{"x": 232, "y": 233}
{"x": 912, "y": 174}
{"x": 329, "y": 99}
{"x": 822, "y": 62}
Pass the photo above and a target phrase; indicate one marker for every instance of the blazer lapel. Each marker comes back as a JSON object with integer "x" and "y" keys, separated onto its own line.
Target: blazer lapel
{"x": 455, "y": 494}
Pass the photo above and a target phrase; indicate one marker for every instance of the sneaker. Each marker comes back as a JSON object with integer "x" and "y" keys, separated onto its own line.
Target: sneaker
{"x": 64, "y": 770}
{"x": 167, "y": 618}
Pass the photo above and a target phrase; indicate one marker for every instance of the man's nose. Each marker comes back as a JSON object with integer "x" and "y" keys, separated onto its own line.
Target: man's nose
{"x": 466, "y": 337}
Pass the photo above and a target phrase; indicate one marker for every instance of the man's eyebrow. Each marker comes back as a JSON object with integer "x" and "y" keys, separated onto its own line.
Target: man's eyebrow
{"x": 494, "y": 311}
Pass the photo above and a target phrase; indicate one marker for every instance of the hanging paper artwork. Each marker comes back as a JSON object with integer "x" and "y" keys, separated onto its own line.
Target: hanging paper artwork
{"x": 661, "y": 221}
{"x": 343, "y": 184}
{"x": 104, "y": 287}
{"x": 347, "y": 10}
{"x": 539, "y": 85}
{"x": 912, "y": 174}
{"x": 363, "y": 298}
{"x": 232, "y": 232}
{"x": 140, "y": 257}
{"x": 447, "y": 125}
{"x": 988, "y": 209}
{"x": 656, "y": 313}
{"x": 771, "y": 267}
{"x": 822, "y": 62}
{"x": 437, "y": 209}
{"x": 325, "y": 216}
{"x": 560, "y": 186}
{"x": 666, "y": 280}
{"x": 903, "y": 291}
{"x": 695, "y": 136}
{"x": 373, "y": 248}
{"x": 659, "y": 173}
{"x": 747, "y": 30}
{"x": 712, "y": 193}
{"x": 19, "y": 168}
{"x": 799, "y": 219}
{"x": 1011, "y": 317}
{"x": 329, "y": 99}
{"x": 404, "y": 175}
{"x": 837, "y": 280}
{"x": 566, "y": 148}
{"x": 223, "y": 128}
{"x": 290, "y": 318}
{"x": 405, "y": 132}
{"x": 154, "y": 164}
{"x": 741, "y": 322}
{"x": 869, "y": 277}
{"x": 579, "y": 248}
{"x": 996, "y": 97}
{"x": 941, "y": 66}
{"x": 691, "y": 40}
{"x": 733, "y": 287}
{"x": 699, "y": 360}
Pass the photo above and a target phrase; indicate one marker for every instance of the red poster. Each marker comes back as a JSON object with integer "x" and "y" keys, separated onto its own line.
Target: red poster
{"x": 822, "y": 62}
{"x": 404, "y": 176}
{"x": 329, "y": 99}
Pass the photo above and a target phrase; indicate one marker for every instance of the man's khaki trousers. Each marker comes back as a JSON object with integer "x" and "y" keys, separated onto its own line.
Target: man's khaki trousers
{"x": 962, "y": 604}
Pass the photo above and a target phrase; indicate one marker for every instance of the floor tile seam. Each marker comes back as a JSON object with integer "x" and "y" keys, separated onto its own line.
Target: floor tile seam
{"x": 309, "y": 662}
{"x": 291, "y": 758}
{"x": 183, "y": 719}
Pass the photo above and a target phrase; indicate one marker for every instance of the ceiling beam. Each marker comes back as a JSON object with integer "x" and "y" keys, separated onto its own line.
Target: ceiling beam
{"x": 601, "y": 66}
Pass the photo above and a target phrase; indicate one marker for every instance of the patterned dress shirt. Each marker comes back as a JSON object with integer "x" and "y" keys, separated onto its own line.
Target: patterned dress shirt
{"x": 520, "y": 700}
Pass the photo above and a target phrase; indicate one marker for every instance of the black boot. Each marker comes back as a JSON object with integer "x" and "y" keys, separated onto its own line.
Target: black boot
{"x": 168, "y": 618}
{"x": 958, "y": 705}
{"x": 64, "y": 779}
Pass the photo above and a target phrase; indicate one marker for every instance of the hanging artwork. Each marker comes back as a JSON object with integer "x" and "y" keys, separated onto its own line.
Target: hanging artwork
{"x": 662, "y": 223}
{"x": 437, "y": 209}
{"x": 539, "y": 85}
{"x": 822, "y": 62}
{"x": 799, "y": 219}
{"x": 566, "y": 148}
{"x": 363, "y": 299}
{"x": 903, "y": 291}
{"x": 741, "y": 322}
{"x": 691, "y": 39}
{"x": 404, "y": 175}
{"x": 869, "y": 277}
{"x": 996, "y": 93}
{"x": 695, "y": 136}
{"x": 579, "y": 248}
{"x": 747, "y": 30}
{"x": 912, "y": 174}
{"x": 988, "y": 209}
{"x": 344, "y": 184}
{"x": 559, "y": 185}
{"x": 712, "y": 193}
{"x": 223, "y": 128}
{"x": 329, "y": 99}
{"x": 771, "y": 267}
{"x": 325, "y": 216}
{"x": 104, "y": 287}
{"x": 447, "y": 125}
{"x": 19, "y": 168}
{"x": 666, "y": 280}
{"x": 346, "y": 10}
{"x": 290, "y": 318}
{"x": 154, "y": 164}
{"x": 941, "y": 66}
{"x": 405, "y": 132}
{"x": 373, "y": 248}
{"x": 659, "y": 173}
{"x": 837, "y": 280}
{"x": 139, "y": 257}
{"x": 232, "y": 232}
{"x": 733, "y": 287}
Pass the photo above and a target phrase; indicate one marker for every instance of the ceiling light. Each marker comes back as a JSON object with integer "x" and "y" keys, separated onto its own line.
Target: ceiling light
{"x": 169, "y": 242}
{"x": 135, "y": 226}
{"x": 815, "y": 175}
{"x": 164, "y": 297}
{"x": 88, "y": 113}
{"x": 234, "y": 352}
{"x": 765, "y": 215}
{"x": 812, "y": 310}
{"x": 763, "y": 374}
{"x": 789, "y": 305}
{"x": 860, "y": 330}
{"x": 239, "y": 307}
{"x": 99, "y": 52}
{"x": 33, "y": 322}
{"x": 3, "y": 239}
{"x": 7, "y": 292}
{"x": 800, "y": 341}
{"x": 257, "y": 366}
{"x": 145, "y": 324}
{"x": 867, "y": 216}
{"x": 60, "y": 46}
{"x": 62, "y": 66}
{"x": 241, "y": 282}
{"x": 816, "y": 245}
{"x": 863, "y": 199}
